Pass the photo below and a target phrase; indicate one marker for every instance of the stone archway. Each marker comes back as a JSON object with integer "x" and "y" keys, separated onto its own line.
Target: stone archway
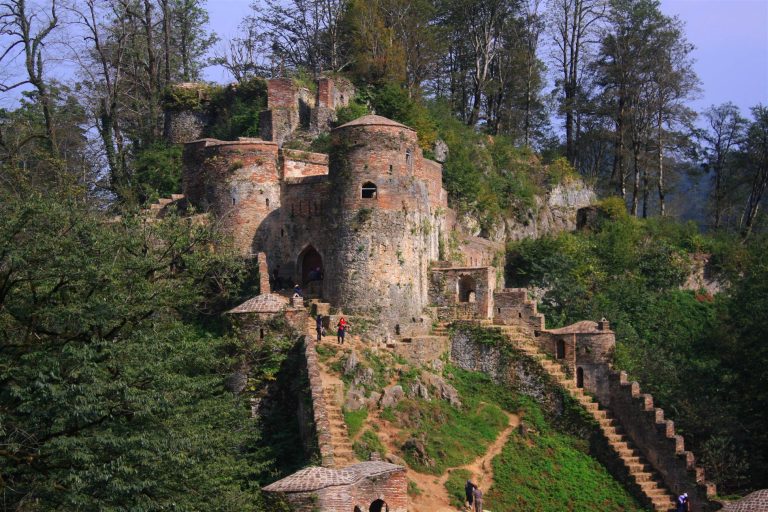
{"x": 466, "y": 288}
{"x": 378, "y": 506}
{"x": 310, "y": 265}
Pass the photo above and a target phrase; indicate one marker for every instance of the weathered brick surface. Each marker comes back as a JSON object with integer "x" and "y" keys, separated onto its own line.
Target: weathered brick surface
{"x": 448, "y": 288}
{"x": 754, "y": 502}
{"x": 319, "y": 409}
{"x": 299, "y": 164}
{"x": 656, "y": 438}
{"x": 341, "y": 490}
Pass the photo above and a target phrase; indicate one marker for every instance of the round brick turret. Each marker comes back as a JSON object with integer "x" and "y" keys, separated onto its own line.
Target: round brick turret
{"x": 385, "y": 236}
{"x": 237, "y": 181}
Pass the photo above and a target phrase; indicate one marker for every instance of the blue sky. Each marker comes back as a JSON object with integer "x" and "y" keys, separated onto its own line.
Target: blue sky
{"x": 731, "y": 39}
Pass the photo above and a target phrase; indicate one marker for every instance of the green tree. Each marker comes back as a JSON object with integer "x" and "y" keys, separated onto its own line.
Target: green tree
{"x": 112, "y": 392}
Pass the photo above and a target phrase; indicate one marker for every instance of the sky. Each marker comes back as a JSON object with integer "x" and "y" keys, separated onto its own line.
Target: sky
{"x": 730, "y": 39}
{"x": 730, "y": 36}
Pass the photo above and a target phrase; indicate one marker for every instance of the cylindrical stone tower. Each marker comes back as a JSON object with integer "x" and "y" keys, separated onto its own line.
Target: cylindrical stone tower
{"x": 383, "y": 224}
{"x": 238, "y": 182}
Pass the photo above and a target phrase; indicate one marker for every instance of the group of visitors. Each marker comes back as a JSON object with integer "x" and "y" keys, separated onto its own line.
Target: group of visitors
{"x": 474, "y": 497}
{"x": 341, "y": 328}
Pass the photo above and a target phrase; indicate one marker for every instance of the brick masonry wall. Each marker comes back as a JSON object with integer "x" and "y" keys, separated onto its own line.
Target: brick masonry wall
{"x": 319, "y": 410}
{"x": 238, "y": 182}
{"x": 655, "y": 436}
{"x": 444, "y": 289}
{"x": 512, "y": 307}
{"x": 383, "y": 244}
{"x": 299, "y": 164}
{"x": 392, "y": 488}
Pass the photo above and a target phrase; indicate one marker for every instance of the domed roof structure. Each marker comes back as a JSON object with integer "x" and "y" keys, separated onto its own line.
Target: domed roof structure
{"x": 373, "y": 120}
{"x": 264, "y": 303}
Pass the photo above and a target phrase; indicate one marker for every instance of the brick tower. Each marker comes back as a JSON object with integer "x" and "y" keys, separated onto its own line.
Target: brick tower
{"x": 383, "y": 223}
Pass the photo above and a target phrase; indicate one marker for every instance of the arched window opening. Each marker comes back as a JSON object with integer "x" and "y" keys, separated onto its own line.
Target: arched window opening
{"x": 390, "y": 168}
{"x": 267, "y": 201}
{"x": 397, "y": 329}
{"x": 579, "y": 377}
{"x": 369, "y": 190}
{"x": 560, "y": 350}
{"x": 378, "y": 506}
{"x": 261, "y": 334}
{"x": 466, "y": 289}
{"x": 233, "y": 201}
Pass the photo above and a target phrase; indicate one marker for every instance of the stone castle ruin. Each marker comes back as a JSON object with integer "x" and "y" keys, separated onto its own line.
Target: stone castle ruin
{"x": 366, "y": 230}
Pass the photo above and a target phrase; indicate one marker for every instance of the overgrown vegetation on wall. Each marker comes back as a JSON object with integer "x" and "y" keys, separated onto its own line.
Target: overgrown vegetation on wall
{"x": 697, "y": 354}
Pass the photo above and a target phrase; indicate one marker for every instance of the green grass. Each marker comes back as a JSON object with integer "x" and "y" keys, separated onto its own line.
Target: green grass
{"x": 551, "y": 472}
{"x": 452, "y": 437}
{"x": 355, "y": 420}
{"x": 413, "y": 489}
{"x": 368, "y": 443}
{"x": 457, "y": 479}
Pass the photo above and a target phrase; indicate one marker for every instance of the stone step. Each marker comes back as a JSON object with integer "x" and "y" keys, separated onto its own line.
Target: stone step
{"x": 164, "y": 201}
{"x": 177, "y": 197}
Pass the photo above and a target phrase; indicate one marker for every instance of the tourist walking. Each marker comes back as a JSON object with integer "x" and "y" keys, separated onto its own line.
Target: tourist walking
{"x": 477, "y": 494}
{"x": 319, "y": 326}
{"x": 342, "y": 327}
{"x": 469, "y": 489}
{"x": 682, "y": 503}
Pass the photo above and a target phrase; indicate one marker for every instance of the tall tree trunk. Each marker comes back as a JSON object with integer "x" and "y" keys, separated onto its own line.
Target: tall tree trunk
{"x": 661, "y": 164}
{"x": 636, "y": 170}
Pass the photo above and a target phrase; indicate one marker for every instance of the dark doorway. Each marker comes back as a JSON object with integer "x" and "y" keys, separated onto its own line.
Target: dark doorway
{"x": 579, "y": 377}
{"x": 378, "y": 506}
{"x": 467, "y": 287}
{"x": 357, "y": 509}
{"x": 310, "y": 266}
{"x": 560, "y": 350}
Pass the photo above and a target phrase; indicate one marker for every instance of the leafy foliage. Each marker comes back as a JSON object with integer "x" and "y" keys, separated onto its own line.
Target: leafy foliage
{"x": 157, "y": 171}
{"x": 697, "y": 354}
{"x": 112, "y": 392}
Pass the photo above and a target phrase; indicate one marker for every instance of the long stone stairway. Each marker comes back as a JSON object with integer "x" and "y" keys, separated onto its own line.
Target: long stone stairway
{"x": 337, "y": 437}
{"x": 647, "y": 479}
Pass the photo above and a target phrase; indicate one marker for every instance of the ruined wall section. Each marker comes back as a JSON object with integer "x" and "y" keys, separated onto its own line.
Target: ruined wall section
{"x": 384, "y": 243}
{"x": 655, "y": 436}
{"x": 300, "y": 164}
{"x": 238, "y": 182}
{"x": 332, "y": 93}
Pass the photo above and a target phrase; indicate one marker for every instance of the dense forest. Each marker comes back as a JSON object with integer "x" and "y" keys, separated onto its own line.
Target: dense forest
{"x": 113, "y": 354}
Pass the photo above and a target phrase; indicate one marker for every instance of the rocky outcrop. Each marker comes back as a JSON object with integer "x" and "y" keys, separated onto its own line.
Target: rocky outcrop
{"x": 554, "y": 212}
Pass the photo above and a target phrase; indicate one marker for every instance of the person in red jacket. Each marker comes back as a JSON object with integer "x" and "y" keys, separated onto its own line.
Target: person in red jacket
{"x": 342, "y": 327}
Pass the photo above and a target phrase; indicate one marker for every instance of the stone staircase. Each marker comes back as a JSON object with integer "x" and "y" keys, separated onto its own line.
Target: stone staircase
{"x": 343, "y": 455}
{"x": 332, "y": 400}
{"x": 645, "y": 477}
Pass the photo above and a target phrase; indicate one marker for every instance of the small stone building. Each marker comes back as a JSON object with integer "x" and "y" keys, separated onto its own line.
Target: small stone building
{"x": 373, "y": 486}
{"x": 585, "y": 348}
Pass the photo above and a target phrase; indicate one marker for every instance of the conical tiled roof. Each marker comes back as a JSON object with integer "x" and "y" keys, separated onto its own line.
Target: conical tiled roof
{"x": 264, "y": 303}
{"x": 374, "y": 120}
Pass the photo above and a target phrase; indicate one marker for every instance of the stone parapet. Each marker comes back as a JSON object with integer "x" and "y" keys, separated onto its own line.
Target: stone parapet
{"x": 319, "y": 408}
{"x": 655, "y": 437}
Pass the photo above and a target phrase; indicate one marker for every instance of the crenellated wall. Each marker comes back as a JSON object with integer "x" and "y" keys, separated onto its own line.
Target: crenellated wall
{"x": 655, "y": 436}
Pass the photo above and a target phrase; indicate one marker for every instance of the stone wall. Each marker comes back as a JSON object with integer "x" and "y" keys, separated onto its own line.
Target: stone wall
{"x": 319, "y": 409}
{"x": 383, "y": 243}
{"x": 300, "y": 164}
{"x": 237, "y": 181}
{"x": 450, "y": 288}
{"x": 655, "y": 436}
{"x": 184, "y": 126}
{"x": 512, "y": 307}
